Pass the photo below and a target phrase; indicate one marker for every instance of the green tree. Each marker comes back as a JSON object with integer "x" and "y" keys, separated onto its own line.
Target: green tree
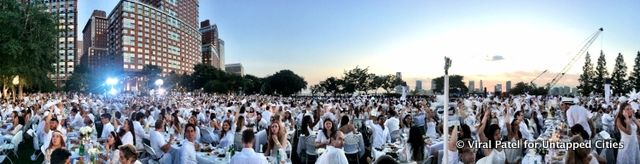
{"x": 587, "y": 77}
{"x": 316, "y": 89}
{"x": 455, "y": 81}
{"x": 377, "y": 83}
{"x": 358, "y": 79}
{"x": 252, "y": 84}
{"x": 601, "y": 74}
{"x": 619, "y": 75}
{"x": 634, "y": 79}
{"x": 150, "y": 73}
{"x": 284, "y": 82}
{"x": 80, "y": 81}
{"x": 173, "y": 80}
{"x": 332, "y": 85}
{"x": 390, "y": 82}
{"x": 28, "y": 40}
{"x": 202, "y": 75}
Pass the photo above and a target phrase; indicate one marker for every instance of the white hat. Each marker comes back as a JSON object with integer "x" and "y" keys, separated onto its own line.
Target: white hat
{"x": 567, "y": 100}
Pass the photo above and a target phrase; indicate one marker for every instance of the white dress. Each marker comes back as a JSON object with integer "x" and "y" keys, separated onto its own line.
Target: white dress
{"x": 631, "y": 151}
{"x": 431, "y": 130}
{"x": 495, "y": 157}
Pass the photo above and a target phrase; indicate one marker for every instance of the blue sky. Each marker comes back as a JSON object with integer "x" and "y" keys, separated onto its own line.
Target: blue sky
{"x": 318, "y": 39}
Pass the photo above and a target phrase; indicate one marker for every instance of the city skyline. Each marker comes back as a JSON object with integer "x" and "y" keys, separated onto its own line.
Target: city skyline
{"x": 501, "y": 41}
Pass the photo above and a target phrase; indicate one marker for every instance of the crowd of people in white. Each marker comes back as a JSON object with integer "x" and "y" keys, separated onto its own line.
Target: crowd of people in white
{"x": 335, "y": 130}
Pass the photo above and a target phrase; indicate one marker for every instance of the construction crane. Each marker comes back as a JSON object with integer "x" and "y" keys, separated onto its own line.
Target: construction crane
{"x": 575, "y": 58}
{"x": 534, "y": 79}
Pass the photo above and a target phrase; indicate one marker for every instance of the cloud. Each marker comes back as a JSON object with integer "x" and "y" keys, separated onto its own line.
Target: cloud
{"x": 496, "y": 58}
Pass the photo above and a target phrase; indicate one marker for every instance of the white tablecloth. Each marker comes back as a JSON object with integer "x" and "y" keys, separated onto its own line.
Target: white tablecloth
{"x": 204, "y": 158}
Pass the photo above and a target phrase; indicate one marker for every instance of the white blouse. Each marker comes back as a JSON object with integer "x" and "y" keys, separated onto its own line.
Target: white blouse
{"x": 127, "y": 138}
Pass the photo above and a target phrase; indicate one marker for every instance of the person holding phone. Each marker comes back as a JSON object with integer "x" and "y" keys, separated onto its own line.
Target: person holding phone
{"x": 628, "y": 127}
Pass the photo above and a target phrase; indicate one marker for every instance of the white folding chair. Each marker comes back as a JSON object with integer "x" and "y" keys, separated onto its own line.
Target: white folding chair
{"x": 11, "y": 146}
{"x": 395, "y": 135}
{"x": 152, "y": 153}
{"x": 310, "y": 147}
{"x": 351, "y": 146}
{"x": 237, "y": 141}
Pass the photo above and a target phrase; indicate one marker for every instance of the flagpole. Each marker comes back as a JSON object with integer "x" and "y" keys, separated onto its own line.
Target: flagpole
{"x": 447, "y": 64}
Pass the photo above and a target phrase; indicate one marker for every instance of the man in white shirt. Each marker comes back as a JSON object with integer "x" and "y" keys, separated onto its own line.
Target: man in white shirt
{"x": 140, "y": 133}
{"x": 77, "y": 120}
{"x": 159, "y": 145}
{"x": 334, "y": 153}
{"x": 266, "y": 114}
{"x": 107, "y": 127}
{"x": 576, "y": 114}
{"x": 188, "y": 150}
{"x": 248, "y": 155}
{"x": 392, "y": 123}
{"x": 261, "y": 123}
{"x": 380, "y": 134}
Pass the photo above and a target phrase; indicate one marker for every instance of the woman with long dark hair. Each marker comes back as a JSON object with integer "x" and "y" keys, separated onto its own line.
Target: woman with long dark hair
{"x": 322, "y": 139}
{"x": 406, "y": 124}
{"x": 415, "y": 149}
{"x": 514, "y": 155}
{"x": 127, "y": 134}
{"x": 307, "y": 125}
{"x": 226, "y": 135}
{"x": 112, "y": 154}
{"x": 627, "y": 125}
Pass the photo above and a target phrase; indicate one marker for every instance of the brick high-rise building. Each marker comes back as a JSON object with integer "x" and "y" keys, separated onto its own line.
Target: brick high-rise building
{"x": 212, "y": 45}
{"x": 153, "y": 32}
{"x": 95, "y": 38}
{"x": 66, "y": 49}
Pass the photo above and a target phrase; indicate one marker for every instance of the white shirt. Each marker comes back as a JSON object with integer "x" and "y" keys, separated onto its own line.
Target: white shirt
{"x": 579, "y": 115}
{"x": 333, "y": 156}
{"x": 321, "y": 138}
{"x": 380, "y": 136}
{"x": 248, "y": 155}
{"x": 140, "y": 134}
{"x": 108, "y": 128}
{"x": 188, "y": 153}
{"x": 77, "y": 121}
{"x": 392, "y": 124}
{"x": 157, "y": 141}
{"x": 227, "y": 140}
{"x": 524, "y": 131}
{"x": 127, "y": 138}
{"x": 266, "y": 115}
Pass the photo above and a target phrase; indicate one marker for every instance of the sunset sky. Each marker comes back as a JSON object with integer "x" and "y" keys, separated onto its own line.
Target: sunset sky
{"x": 487, "y": 40}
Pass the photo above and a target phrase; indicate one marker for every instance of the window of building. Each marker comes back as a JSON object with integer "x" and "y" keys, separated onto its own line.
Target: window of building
{"x": 128, "y": 6}
{"x": 128, "y": 40}
{"x": 128, "y": 23}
